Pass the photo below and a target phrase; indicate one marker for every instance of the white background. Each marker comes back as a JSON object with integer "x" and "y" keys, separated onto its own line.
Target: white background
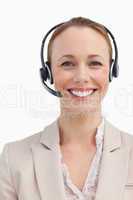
{"x": 25, "y": 106}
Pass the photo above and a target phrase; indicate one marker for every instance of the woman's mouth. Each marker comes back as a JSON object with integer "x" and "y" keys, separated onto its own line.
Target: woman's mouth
{"x": 81, "y": 94}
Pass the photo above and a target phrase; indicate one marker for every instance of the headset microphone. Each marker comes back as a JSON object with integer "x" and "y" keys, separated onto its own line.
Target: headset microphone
{"x": 46, "y": 72}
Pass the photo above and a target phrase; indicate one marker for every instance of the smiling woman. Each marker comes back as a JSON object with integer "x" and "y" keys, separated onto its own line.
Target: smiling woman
{"x": 80, "y": 60}
{"x": 80, "y": 155}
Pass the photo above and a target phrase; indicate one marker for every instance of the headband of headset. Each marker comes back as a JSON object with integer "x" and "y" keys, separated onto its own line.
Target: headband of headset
{"x": 46, "y": 73}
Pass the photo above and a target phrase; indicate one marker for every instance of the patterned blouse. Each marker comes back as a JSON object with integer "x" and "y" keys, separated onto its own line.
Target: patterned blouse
{"x": 89, "y": 189}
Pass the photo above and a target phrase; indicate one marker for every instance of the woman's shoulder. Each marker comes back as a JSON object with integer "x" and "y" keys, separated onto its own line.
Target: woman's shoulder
{"x": 20, "y": 148}
{"x": 126, "y": 137}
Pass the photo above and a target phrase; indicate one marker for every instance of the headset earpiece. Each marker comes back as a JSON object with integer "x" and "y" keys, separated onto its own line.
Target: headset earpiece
{"x": 115, "y": 70}
{"x": 110, "y": 71}
{"x": 50, "y": 77}
{"x": 46, "y": 73}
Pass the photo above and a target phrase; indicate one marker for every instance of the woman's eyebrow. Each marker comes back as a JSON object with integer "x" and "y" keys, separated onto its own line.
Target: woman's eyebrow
{"x": 94, "y": 55}
{"x": 72, "y": 56}
{"x": 67, "y": 56}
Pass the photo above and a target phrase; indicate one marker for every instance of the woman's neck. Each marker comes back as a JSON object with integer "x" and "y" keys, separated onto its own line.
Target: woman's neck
{"x": 79, "y": 131}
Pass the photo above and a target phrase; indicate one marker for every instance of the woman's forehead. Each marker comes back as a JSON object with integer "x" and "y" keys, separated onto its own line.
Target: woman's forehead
{"x": 79, "y": 34}
{"x": 77, "y": 39}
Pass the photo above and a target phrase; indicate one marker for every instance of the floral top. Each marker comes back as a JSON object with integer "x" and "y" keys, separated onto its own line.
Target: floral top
{"x": 89, "y": 189}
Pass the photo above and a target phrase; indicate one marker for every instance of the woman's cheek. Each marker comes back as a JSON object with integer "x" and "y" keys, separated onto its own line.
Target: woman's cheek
{"x": 62, "y": 80}
{"x": 59, "y": 82}
{"x": 104, "y": 87}
{"x": 57, "y": 79}
{"x": 103, "y": 83}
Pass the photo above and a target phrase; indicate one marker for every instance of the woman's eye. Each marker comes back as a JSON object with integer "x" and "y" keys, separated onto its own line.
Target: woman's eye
{"x": 67, "y": 63}
{"x": 95, "y": 63}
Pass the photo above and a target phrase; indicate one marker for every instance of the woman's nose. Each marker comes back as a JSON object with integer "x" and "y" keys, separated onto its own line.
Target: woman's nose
{"x": 82, "y": 74}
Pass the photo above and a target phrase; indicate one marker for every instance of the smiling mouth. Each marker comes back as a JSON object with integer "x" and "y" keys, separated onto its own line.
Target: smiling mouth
{"x": 81, "y": 94}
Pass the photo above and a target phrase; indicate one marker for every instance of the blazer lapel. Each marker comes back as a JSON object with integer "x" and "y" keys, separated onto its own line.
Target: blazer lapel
{"x": 114, "y": 165}
{"x": 47, "y": 165}
{"x": 113, "y": 171}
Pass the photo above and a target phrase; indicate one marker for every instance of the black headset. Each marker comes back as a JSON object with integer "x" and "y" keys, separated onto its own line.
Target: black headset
{"x": 46, "y": 73}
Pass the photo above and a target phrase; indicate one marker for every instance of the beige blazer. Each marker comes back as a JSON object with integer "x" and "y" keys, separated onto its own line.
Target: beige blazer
{"x": 30, "y": 169}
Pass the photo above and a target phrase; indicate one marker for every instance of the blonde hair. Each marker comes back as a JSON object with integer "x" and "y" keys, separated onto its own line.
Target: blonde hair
{"x": 80, "y": 22}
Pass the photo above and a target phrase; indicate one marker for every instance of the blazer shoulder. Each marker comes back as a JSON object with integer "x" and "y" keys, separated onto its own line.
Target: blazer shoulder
{"x": 15, "y": 158}
{"x": 20, "y": 149}
{"x": 25, "y": 142}
{"x": 126, "y": 138}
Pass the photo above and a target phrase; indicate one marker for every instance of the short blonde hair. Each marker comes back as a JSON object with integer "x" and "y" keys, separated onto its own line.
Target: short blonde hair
{"x": 80, "y": 22}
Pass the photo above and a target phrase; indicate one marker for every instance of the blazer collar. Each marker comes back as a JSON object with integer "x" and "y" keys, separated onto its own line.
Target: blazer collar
{"x": 112, "y": 136}
{"x": 50, "y": 135}
{"x": 114, "y": 165}
{"x": 47, "y": 164}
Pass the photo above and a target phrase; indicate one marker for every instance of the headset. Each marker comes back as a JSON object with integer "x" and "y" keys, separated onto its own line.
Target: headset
{"x": 46, "y": 72}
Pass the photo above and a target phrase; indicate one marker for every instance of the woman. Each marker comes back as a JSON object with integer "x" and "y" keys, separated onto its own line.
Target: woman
{"x": 80, "y": 155}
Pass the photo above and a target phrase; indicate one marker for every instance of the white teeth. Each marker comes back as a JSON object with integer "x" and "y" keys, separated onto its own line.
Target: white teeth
{"x": 82, "y": 94}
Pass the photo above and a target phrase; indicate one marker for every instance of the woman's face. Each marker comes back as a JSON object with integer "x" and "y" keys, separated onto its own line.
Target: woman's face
{"x": 80, "y": 68}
